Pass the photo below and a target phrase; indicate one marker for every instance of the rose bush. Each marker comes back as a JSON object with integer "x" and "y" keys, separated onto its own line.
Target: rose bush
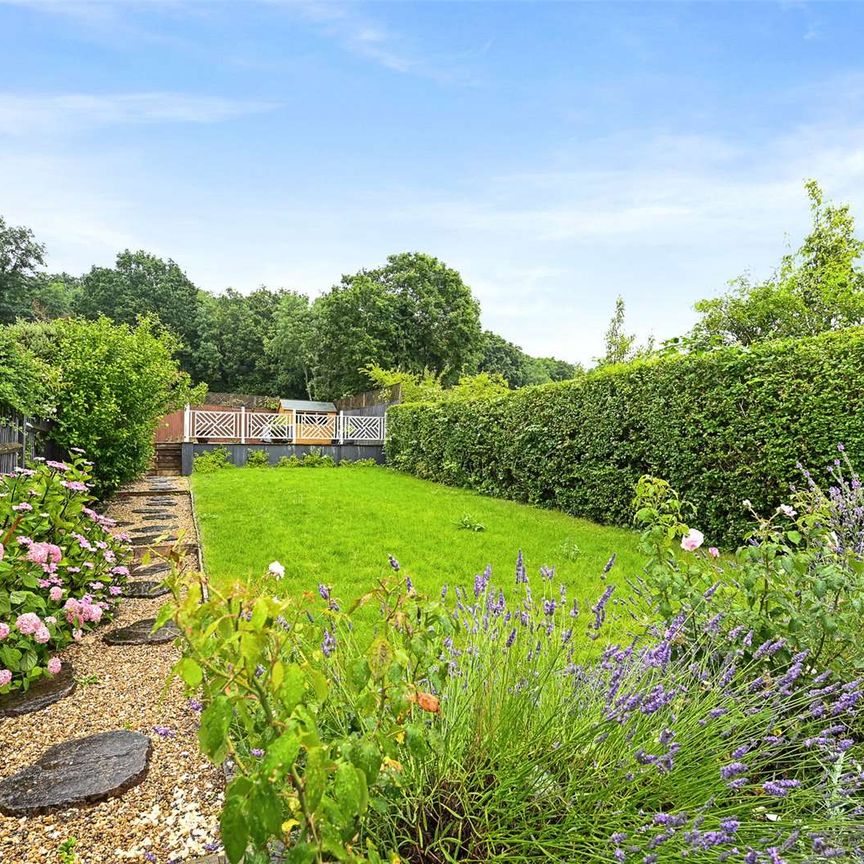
{"x": 61, "y": 568}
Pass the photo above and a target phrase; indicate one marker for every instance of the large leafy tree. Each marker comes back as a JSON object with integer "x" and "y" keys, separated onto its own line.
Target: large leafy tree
{"x": 414, "y": 313}
{"x": 143, "y": 284}
{"x": 21, "y": 256}
{"x": 288, "y": 351}
{"x": 818, "y": 287}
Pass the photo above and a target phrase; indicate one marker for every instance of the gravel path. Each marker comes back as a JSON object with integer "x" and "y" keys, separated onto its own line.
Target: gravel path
{"x": 173, "y": 813}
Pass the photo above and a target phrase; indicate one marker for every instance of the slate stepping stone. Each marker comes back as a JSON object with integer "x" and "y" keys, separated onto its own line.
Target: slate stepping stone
{"x": 149, "y": 570}
{"x": 139, "y": 634}
{"x": 144, "y": 589}
{"x": 150, "y": 536}
{"x": 81, "y": 771}
{"x": 44, "y": 692}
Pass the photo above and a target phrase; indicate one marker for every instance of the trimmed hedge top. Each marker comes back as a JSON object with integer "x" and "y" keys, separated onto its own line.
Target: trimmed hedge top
{"x": 721, "y": 427}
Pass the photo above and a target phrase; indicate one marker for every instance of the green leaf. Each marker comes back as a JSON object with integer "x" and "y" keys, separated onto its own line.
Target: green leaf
{"x": 349, "y": 787}
{"x": 380, "y": 656}
{"x": 189, "y": 671}
{"x": 315, "y": 776}
{"x": 213, "y": 732}
{"x": 281, "y": 754}
{"x": 265, "y": 813}
{"x": 293, "y": 687}
{"x": 233, "y": 826}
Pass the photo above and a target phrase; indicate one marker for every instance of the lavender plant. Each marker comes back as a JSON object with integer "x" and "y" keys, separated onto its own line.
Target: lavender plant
{"x": 673, "y": 746}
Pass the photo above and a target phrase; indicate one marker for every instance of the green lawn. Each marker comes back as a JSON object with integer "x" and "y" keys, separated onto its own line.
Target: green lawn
{"x": 338, "y": 525}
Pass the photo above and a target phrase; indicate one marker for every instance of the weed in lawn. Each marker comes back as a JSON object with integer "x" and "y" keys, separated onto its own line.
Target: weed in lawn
{"x": 468, "y": 523}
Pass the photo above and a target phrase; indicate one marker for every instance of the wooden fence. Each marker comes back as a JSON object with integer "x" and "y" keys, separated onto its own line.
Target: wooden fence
{"x": 22, "y": 438}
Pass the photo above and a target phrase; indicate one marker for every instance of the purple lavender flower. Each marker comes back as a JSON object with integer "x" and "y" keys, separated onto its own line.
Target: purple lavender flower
{"x": 511, "y": 638}
{"x": 257, "y": 752}
{"x": 409, "y": 585}
{"x": 599, "y": 608}
{"x": 481, "y": 580}
{"x": 164, "y": 731}
{"x": 393, "y": 563}
{"x": 610, "y": 563}
{"x": 780, "y": 788}
{"x": 547, "y": 573}
{"x": 328, "y": 646}
{"x": 549, "y": 607}
{"x": 521, "y": 574}
{"x": 732, "y": 770}
{"x": 196, "y": 706}
{"x": 324, "y": 591}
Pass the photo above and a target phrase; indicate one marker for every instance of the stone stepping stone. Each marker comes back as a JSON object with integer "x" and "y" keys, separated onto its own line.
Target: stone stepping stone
{"x": 77, "y": 772}
{"x": 152, "y": 511}
{"x": 144, "y": 589}
{"x": 148, "y": 570}
{"x": 139, "y": 634}
{"x": 146, "y": 538}
{"x": 43, "y": 692}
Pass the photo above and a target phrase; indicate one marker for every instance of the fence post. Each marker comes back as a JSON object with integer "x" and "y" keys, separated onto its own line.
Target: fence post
{"x": 340, "y": 428}
{"x": 187, "y": 423}
{"x": 242, "y": 424}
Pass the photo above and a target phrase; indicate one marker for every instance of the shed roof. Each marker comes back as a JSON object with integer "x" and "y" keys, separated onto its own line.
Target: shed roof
{"x": 306, "y": 405}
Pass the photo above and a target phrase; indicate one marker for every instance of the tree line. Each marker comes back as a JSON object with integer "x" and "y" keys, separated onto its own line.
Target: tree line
{"x": 414, "y": 314}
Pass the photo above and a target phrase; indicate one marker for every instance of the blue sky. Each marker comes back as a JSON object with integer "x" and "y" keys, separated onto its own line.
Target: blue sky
{"x": 556, "y": 154}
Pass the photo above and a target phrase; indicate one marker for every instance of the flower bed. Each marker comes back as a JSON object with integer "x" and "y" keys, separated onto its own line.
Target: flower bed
{"x": 61, "y": 569}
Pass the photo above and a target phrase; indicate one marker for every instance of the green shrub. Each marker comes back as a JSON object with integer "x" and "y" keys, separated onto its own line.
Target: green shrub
{"x": 289, "y": 462}
{"x": 721, "y": 427}
{"x": 258, "y": 459}
{"x": 357, "y": 463}
{"x": 115, "y": 383}
{"x": 61, "y": 569}
{"x": 212, "y": 460}
{"x": 485, "y": 727}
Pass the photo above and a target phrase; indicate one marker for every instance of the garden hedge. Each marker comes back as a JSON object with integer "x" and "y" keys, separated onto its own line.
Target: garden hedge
{"x": 721, "y": 427}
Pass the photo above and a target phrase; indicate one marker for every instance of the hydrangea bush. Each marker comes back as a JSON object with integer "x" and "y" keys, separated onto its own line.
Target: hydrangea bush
{"x": 494, "y": 724}
{"x": 61, "y": 568}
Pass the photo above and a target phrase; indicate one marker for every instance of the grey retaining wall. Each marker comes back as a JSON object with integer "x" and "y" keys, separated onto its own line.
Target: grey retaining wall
{"x": 239, "y": 453}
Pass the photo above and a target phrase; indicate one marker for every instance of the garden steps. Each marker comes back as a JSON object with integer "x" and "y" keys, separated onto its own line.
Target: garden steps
{"x": 170, "y": 808}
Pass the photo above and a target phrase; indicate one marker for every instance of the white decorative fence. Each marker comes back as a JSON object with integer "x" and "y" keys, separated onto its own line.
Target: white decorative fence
{"x": 242, "y": 426}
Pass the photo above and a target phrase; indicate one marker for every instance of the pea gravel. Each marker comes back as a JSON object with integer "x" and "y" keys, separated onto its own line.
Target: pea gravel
{"x": 173, "y": 814}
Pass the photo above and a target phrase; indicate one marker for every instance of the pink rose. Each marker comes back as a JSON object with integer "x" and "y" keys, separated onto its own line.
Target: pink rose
{"x": 4, "y": 631}
{"x": 713, "y": 551}
{"x": 56, "y": 594}
{"x": 28, "y": 623}
{"x": 692, "y": 540}
{"x": 2, "y": 551}
{"x": 42, "y": 635}
{"x": 54, "y": 665}
{"x": 5, "y": 677}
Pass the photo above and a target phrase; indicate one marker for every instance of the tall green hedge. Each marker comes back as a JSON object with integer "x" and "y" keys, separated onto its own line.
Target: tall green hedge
{"x": 720, "y": 427}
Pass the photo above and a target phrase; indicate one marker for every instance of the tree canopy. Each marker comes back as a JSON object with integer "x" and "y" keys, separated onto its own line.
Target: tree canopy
{"x": 818, "y": 287}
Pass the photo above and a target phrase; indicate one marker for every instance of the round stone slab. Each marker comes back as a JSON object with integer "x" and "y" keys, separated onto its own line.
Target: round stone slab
{"x": 44, "y": 692}
{"x": 81, "y": 771}
{"x": 144, "y": 589}
{"x": 139, "y": 634}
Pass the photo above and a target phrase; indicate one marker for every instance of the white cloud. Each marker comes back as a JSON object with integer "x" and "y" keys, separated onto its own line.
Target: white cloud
{"x": 37, "y": 114}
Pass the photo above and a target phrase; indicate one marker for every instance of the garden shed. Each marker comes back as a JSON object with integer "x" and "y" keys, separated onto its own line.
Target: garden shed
{"x": 313, "y": 422}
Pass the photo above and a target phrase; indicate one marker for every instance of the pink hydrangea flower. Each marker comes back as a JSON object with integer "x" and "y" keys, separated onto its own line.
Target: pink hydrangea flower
{"x": 51, "y": 619}
{"x": 93, "y": 613}
{"x": 5, "y": 677}
{"x": 2, "y": 551}
{"x": 77, "y": 635}
{"x": 44, "y": 553}
{"x": 120, "y": 571}
{"x": 692, "y": 540}
{"x": 42, "y": 635}
{"x": 4, "y": 631}
{"x": 115, "y": 590}
{"x": 59, "y": 466}
{"x": 28, "y": 623}
{"x": 713, "y": 551}
{"x": 54, "y": 665}
{"x": 56, "y": 594}
{"x": 23, "y": 507}
{"x": 74, "y": 485}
